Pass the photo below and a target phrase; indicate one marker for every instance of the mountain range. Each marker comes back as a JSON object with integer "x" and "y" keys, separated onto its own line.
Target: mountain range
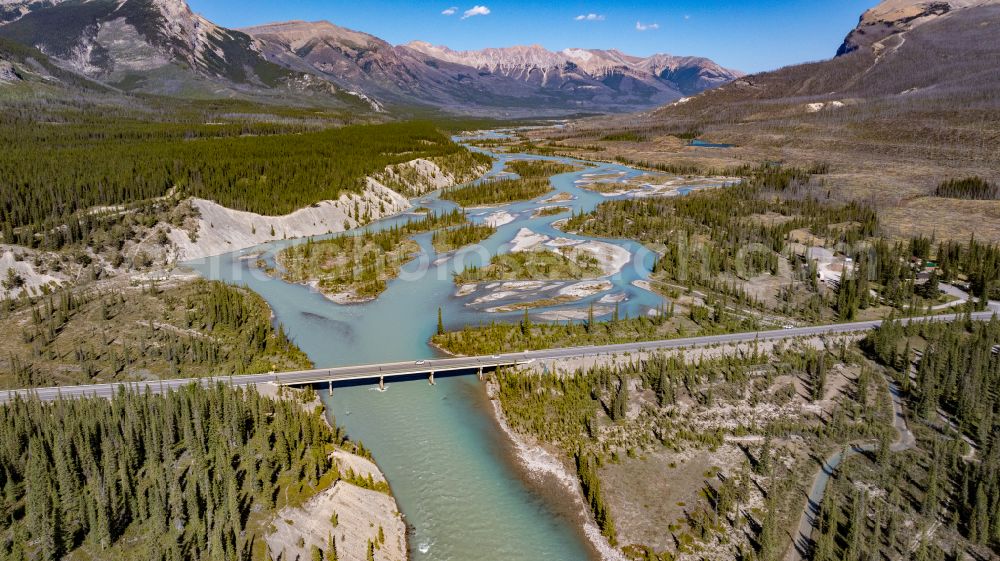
{"x": 162, "y": 47}
{"x": 902, "y": 53}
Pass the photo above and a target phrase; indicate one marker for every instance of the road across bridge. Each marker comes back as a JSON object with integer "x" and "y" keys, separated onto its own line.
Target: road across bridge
{"x": 378, "y": 372}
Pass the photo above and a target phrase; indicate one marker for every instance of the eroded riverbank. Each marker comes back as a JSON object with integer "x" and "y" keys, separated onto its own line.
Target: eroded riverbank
{"x": 354, "y": 514}
{"x": 550, "y": 475}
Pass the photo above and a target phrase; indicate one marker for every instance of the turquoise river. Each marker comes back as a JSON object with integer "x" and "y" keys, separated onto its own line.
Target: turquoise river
{"x": 449, "y": 464}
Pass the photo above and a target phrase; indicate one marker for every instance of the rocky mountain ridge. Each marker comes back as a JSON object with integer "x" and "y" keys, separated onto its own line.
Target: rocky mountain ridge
{"x": 892, "y": 17}
{"x": 155, "y": 46}
{"x": 686, "y": 74}
{"x": 515, "y": 78}
{"x": 163, "y": 47}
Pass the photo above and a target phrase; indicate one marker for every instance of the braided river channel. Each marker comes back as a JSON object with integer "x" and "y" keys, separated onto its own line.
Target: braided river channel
{"x": 450, "y": 466}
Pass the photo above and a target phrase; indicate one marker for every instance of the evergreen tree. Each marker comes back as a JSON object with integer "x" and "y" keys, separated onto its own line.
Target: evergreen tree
{"x": 768, "y": 537}
{"x": 331, "y": 548}
{"x": 619, "y": 407}
{"x": 763, "y": 465}
{"x": 526, "y": 324}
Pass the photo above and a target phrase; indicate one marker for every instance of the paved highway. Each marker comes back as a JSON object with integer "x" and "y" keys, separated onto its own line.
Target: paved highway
{"x": 425, "y": 367}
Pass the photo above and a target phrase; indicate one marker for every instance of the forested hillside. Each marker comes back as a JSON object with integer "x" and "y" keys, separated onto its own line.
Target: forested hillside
{"x": 191, "y": 474}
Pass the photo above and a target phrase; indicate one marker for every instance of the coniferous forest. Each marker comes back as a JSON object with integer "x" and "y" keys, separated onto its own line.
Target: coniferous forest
{"x": 360, "y": 265}
{"x": 51, "y": 172}
{"x": 190, "y": 474}
{"x": 528, "y": 169}
{"x": 460, "y": 236}
{"x": 939, "y": 499}
{"x": 498, "y": 191}
{"x": 934, "y": 498}
{"x": 968, "y": 188}
{"x": 725, "y": 217}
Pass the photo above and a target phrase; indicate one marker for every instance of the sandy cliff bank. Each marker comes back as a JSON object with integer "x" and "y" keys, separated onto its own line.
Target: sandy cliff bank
{"x": 221, "y": 230}
{"x": 347, "y": 514}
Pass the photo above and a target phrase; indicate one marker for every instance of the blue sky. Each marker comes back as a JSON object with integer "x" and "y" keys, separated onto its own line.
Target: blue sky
{"x": 749, "y": 35}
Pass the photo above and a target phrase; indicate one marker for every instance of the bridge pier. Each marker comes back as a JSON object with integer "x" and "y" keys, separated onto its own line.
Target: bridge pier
{"x": 381, "y": 383}
{"x": 480, "y": 373}
{"x": 431, "y": 379}
{"x": 330, "y": 387}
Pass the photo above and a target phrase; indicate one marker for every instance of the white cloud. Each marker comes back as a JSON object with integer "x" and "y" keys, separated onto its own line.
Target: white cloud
{"x": 450, "y": 11}
{"x": 589, "y": 17}
{"x": 476, "y": 11}
{"x": 639, "y": 26}
{"x": 687, "y": 17}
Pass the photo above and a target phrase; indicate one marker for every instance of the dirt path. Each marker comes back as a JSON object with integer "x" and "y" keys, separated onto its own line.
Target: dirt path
{"x": 802, "y": 541}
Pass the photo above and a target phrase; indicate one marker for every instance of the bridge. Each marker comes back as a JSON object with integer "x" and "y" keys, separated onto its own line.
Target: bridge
{"x": 378, "y": 373}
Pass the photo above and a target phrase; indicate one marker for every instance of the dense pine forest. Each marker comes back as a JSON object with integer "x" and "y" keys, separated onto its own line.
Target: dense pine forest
{"x": 51, "y": 171}
{"x": 533, "y": 181}
{"x": 497, "y": 191}
{"x": 190, "y": 474}
{"x": 183, "y": 329}
{"x": 530, "y": 169}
